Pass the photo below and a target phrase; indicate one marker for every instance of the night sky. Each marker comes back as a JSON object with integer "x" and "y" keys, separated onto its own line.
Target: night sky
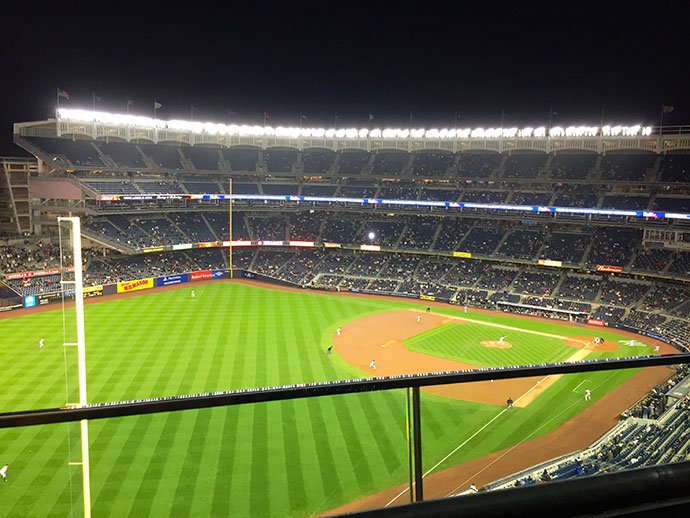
{"x": 399, "y": 62}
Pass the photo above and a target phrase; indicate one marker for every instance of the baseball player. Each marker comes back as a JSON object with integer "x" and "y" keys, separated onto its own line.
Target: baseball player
{"x": 338, "y": 331}
{"x": 500, "y": 340}
{"x": 372, "y": 364}
{"x": 3, "y": 472}
{"x": 588, "y": 394}
{"x": 41, "y": 343}
{"x": 419, "y": 318}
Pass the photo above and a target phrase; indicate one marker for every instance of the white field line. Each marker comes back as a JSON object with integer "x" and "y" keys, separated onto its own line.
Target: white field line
{"x": 533, "y": 434}
{"x": 449, "y": 455}
{"x": 503, "y": 326}
{"x": 578, "y": 385}
{"x": 578, "y": 355}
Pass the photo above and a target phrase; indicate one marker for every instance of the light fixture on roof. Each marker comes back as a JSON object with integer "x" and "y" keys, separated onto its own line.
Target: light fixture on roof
{"x": 245, "y": 130}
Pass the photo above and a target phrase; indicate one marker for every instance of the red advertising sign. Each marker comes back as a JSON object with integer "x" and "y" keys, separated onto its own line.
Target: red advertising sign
{"x": 607, "y": 268}
{"x": 596, "y": 322}
{"x": 36, "y": 273}
{"x": 201, "y": 275}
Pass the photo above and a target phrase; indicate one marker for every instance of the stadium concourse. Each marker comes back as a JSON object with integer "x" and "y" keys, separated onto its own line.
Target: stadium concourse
{"x": 142, "y": 217}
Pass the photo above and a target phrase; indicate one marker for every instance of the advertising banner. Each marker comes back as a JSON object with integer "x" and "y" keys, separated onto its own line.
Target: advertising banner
{"x": 201, "y": 275}
{"x": 427, "y": 297}
{"x": 36, "y": 273}
{"x": 464, "y": 255}
{"x": 140, "y": 284}
{"x": 167, "y": 280}
{"x": 93, "y": 291}
{"x": 217, "y": 274}
{"x": 48, "y": 298}
{"x": 549, "y": 262}
{"x": 29, "y": 301}
{"x": 596, "y": 322}
{"x": 608, "y": 268}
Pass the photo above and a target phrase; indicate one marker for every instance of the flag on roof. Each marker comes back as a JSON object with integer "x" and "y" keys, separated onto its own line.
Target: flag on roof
{"x": 63, "y": 94}
{"x": 156, "y": 105}
{"x": 667, "y": 109}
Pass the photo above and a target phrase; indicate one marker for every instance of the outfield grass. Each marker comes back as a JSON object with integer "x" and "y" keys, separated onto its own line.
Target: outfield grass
{"x": 289, "y": 458}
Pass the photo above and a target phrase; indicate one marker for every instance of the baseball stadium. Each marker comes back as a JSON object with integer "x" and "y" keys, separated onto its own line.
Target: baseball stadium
{"x": 202, "y": 319}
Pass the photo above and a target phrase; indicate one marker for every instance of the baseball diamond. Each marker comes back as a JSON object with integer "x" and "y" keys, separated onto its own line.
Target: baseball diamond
{"x": 241, "y": 334}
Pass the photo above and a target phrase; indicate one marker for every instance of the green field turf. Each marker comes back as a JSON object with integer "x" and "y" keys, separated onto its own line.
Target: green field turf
{"x": 290, "y": 458}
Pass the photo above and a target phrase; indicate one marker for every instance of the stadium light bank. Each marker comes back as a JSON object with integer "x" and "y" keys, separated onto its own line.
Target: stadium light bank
{"x": 213, "y": 128}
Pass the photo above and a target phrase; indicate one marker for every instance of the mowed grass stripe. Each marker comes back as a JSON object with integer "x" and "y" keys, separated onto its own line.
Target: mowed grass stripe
{"x": 117, "y": 470}
{"x": 259, "y": 481}
{"x": 363, "y": 409}
{"x": 327, "y": 442}
{"x": 225, "y": 468}
{"x": 191, "y": 467}
{"x": 295, "y": 479}
{"x": 43, "y": 446}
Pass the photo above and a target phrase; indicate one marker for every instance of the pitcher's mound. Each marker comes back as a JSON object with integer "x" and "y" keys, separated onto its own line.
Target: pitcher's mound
{"x": 495, "y": 344}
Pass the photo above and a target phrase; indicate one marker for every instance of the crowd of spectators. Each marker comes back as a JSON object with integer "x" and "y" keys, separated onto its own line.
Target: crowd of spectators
{"x": 28, "y": 255}
{"x": 496, "y": 278}
{"x": 665, "y": 297}
{"x": 579, "y": 287}
{"x": 535, "y": 283}
{"x": 521, "y": 244}
{"x": 419, "y": 232}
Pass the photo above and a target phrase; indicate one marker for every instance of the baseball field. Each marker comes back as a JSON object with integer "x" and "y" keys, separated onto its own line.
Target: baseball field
{"x": 290, "y": 458}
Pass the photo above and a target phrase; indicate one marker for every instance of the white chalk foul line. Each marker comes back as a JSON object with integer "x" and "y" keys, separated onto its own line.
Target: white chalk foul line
{"x": 503, "y": 326}
{"x": 579, "y": 384}
{"x": 450, "y": 454}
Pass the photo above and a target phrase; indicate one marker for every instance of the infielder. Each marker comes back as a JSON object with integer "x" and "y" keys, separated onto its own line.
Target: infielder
{"x": 3, "y": 472}
{"x": 372, "y": 364}
{"x": 338, "y": 331}
{"x": 588, "y": 394}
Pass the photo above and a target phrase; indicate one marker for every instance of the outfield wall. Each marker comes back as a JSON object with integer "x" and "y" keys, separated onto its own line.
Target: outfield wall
{"x": 42, "y": 299}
